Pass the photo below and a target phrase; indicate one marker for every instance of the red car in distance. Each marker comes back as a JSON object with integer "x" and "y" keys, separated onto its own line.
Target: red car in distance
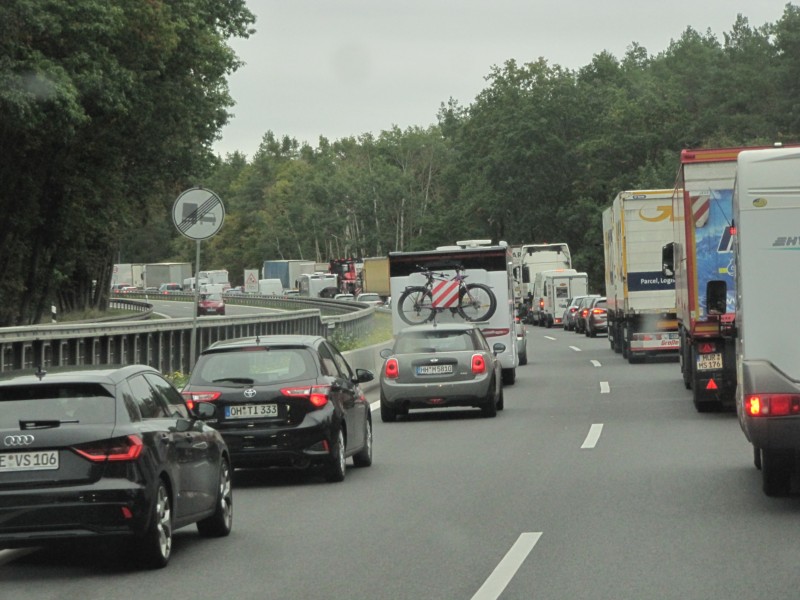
{"x": 210, "y": 304}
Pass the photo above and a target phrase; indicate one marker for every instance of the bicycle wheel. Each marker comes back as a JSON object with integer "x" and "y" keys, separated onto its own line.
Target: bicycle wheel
{"x": 477, "y": 302}
{"x": 416, "y": 305}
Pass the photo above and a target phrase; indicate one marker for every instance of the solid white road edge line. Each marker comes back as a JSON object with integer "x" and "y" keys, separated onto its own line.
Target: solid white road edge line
{"x": 508, "y": 567}
{"x": 605, "y": 388}
{"x": 596, "y": 363}
{"x": 575, "y": 348}
{"x": 594, "y": 435}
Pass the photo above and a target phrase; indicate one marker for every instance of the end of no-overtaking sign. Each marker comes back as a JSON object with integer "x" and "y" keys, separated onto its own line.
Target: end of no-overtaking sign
{"x": 198, "y": 213}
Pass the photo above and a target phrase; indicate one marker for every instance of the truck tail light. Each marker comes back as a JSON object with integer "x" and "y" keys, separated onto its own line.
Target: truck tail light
{"x": 478, "y": 364}
{"x": 706, "y": 347}
{"x": 772, "y": 405}
{"x": 391, "y": 370}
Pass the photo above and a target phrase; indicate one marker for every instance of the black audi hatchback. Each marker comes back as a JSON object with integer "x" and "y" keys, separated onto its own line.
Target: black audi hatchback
{"x": 286, "y": 401}
{"x": 105, "y": 451}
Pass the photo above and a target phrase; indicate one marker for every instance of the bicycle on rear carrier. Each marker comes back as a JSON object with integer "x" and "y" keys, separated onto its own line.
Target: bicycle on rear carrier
{"x": 421, "y": 303}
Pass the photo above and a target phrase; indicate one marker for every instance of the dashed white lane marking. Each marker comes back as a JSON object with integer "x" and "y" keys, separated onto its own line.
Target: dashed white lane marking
{"x": 596, "y": 363}
{"x": 594, "y": 434}
{"x": 551, "y": 338}
{"x": 605, "y": 388}
{"x": 375, "y": 406}
{"x": 508, "y": 567}
{"x": 575, "y": 348}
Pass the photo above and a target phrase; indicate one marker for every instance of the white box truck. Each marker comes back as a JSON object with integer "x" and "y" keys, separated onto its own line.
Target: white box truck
{"x": 642, "y": 318}
{"x": 557, "y": 287}
{"x": 535, "y": 258}
{"x": 766, "y": 242}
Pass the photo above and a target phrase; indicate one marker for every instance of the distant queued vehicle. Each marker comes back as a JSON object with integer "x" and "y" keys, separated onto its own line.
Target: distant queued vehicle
{"x": 580, "y": 315}
{"x": 210, "y": 304}
{"x": 440, "y": 365}
{"x": 571, "y": 312}
{"x": 286, "y": 401}
{"x": 346, "y": 297}
{"x": 166, "y": 288}
{"x": 370, "y": 298}
{"x": 108, "y": 452}
{"x": 597, "y": 318}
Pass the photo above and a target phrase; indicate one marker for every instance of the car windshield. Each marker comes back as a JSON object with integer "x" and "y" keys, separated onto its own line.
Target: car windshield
{"x": 61, "y": 403}
{"x": 256, "y": 366}
{"x": 434, "y": 341}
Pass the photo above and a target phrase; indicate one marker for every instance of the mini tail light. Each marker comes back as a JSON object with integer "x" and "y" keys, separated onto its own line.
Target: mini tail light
{"x": 772, "y": 405}
{"x": 478, "y": 364}
{"x": 391, "y": 370}
{"x": 116, "y": 449}
{"x": 494, "y": 332}
{"x": 317, "y": 395}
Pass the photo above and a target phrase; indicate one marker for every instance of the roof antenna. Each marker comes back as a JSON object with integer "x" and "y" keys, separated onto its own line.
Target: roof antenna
{"x": 40, "y": 373}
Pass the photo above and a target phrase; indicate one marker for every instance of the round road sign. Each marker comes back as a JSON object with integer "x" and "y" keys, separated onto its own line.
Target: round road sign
{"x": 198, "y": 213}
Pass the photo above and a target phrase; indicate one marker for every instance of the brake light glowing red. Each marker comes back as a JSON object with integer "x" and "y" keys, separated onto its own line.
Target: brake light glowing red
{"x": 391, "y": 370}
{"x": 117, "y": 449}
{"x": 598, "y": 311}
{"x": 317, "y": 395}
{"x": 478, "y": 364}
{"x": 775, "y": 405}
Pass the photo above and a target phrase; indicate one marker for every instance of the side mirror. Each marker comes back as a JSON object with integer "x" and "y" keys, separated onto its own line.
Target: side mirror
{"x": 204, "y": 410}
{"x": 716, "y": 297}
{"x": 498, "y": 348}
{"x": 668, "y": 260}
{"x": 364, "y": 375}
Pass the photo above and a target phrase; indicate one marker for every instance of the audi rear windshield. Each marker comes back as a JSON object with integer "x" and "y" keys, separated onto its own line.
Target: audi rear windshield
{"x": 86, "y": 404}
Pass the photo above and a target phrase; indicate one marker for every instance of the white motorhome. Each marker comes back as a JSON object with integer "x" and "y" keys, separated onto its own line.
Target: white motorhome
{"x": 535, "y": 258}
{"x": 558, "y": 287}
{"x": 766, "y": 242}
{"x": 270, "y": 287}
{"x": 485, "y": 266}
{"x": 317, "y": 285}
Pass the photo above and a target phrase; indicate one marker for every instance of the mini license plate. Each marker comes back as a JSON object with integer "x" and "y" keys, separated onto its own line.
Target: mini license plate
{"x": 246, "y": 411}
{"x": 43, "y": 460}
{"x": 709, "y": 362}
{"x": 434, "y": 369}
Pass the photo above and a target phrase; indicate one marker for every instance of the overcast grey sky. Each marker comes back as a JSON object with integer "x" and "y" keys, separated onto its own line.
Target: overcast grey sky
{"x": 341, "y": 68}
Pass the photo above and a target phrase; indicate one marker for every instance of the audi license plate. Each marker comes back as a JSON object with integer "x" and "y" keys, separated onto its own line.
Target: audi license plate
{"x": 434, "y": 369}
{"x": 42, "y": 460}
{"x": 709, "y": 362}
{"x": 246, "y": 411}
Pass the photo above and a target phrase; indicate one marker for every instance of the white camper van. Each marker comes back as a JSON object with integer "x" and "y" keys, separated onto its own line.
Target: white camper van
{"x": 766, "y": 241}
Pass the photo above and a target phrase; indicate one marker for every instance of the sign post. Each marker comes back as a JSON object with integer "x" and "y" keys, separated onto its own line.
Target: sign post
{"x": 198, "y": 214}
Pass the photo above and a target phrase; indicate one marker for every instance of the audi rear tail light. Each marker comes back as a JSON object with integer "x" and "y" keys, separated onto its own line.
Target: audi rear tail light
{"x": 478, "y": 364}
{"x": 772, "y": 405}
{"x": 317, "y": 395}
{"x": 391, "y": 370}
{"x": 116, "y": 449}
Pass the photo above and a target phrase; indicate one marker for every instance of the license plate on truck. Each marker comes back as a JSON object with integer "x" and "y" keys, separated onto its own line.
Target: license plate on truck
{"x": 709, "y": 362}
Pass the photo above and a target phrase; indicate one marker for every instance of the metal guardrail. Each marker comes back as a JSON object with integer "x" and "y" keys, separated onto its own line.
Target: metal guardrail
{"x": 165, "y": 343}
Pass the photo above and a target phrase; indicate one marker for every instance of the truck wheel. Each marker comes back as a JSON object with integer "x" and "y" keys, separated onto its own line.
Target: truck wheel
{"x": 549, "y": 322}
{"x": 776, "y": 472}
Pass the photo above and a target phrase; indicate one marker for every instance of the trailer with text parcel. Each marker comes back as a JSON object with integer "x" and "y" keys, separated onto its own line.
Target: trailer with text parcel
{"x": 642, "y": 318}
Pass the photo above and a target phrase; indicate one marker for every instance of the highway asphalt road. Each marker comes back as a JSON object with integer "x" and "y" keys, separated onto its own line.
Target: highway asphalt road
{"x": 598, "y": 481}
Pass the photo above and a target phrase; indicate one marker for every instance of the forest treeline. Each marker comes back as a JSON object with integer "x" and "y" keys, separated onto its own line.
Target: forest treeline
{"x": 536, "y": 157}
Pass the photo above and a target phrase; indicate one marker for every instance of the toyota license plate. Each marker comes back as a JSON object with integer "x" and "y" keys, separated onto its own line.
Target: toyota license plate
{"x": 43, "y": 460}
{"x": 709, "y": 362}
{"x": 434, "y": 369}
{"x": 246, "y": 411}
